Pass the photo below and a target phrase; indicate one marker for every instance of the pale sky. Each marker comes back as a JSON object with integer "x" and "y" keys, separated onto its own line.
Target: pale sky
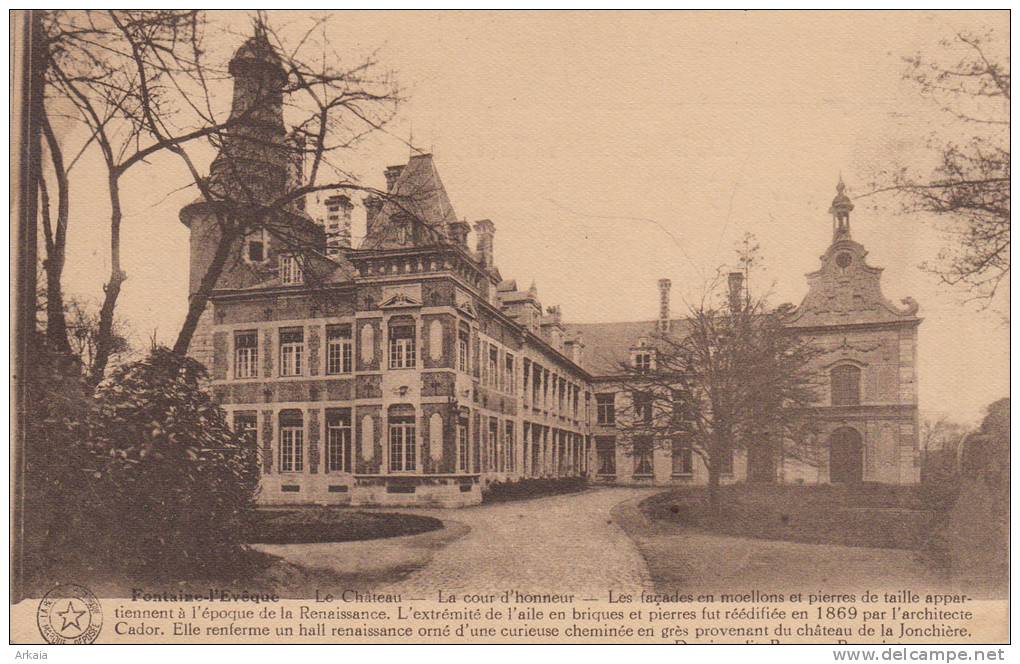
{"x": 613, "y": 149}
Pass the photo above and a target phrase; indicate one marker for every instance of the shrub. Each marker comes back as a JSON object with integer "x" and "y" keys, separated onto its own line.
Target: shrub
{"x": 58, "y": 472}
{"x": 975, "y": 539}
{"x": 178, "y": 486}
{"x": 532, "y": 488}
{"x": 940, "y": 480}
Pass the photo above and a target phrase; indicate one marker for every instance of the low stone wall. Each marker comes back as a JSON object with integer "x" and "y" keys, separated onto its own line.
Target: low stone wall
{"x": 444, "y": 492}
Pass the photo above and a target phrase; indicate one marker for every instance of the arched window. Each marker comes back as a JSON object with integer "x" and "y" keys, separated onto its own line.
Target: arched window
{"x": 846, "y": 385}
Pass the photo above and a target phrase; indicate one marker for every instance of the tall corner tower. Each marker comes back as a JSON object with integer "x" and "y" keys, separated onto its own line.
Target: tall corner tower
{"x": 254, "y": 168}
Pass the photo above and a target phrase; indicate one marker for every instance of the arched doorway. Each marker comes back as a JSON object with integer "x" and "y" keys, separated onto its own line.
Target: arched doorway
{"x": 846, "y": 456}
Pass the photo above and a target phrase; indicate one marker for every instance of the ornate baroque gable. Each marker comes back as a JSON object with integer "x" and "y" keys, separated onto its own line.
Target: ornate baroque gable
{"x": 846, "y": 290}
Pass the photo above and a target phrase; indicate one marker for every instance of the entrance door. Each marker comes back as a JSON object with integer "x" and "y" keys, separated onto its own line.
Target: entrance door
{"x": 846, "y": 456}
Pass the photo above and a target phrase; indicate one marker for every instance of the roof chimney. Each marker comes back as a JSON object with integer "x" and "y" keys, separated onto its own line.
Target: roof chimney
{"x": 392, "y": 173}
{"x": 576, "y": 346}
{"x": 458, "y": 232}
{"x": 736, "y": 282}
{"x": 372, "y": 206}
{"x": 664, "y": 320}
{"x": 485, "y": 230}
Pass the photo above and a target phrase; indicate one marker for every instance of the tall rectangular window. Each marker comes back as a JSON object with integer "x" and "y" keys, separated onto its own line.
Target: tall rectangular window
{"x": 402, "y": 434}
{"x": 292, "y": 347}
{"x": 338, "y": 441}
{"x": 338, "y": 349}
{"x": 292, "y": 439}
{"x": 726, "y": 462}
{"x": 246, "y": 354}
{"x": 683, "y": 408}
{"x": 402, "y": 346}
{"x": 246, "y": 424}
{"x": 605, "y": 405}
{"x": 642, "y": 407}
{"x": 683, "y": 457}
{"x": 511, "y": 447}
{"x": 290, "y": 270}
{"x": 605, "y": 449}
{"x": 493, "y": 366}
{"x": 463, "y": 352}
{"x": 510, "y": 374}
{"x": 463, "y": 460}
{"x": 493, "y": 433}
{"x": 643, "y": 456}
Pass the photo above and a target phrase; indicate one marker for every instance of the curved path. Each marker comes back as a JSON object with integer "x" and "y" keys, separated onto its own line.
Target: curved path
{"x": 560, "y": 544}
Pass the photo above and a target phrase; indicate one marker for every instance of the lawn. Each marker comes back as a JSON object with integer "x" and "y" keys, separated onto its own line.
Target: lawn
{"x": 870, "y": 515}
{"x": 254, "y": 570}
{"x": 311, "y": 525}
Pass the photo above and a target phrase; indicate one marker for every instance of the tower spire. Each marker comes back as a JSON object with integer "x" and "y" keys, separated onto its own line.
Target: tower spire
{"x": 840, "y": 211}
{"x": 254, "y": 162}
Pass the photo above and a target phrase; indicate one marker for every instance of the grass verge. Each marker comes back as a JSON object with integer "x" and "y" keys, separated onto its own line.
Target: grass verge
{"x": 869, "y": 515}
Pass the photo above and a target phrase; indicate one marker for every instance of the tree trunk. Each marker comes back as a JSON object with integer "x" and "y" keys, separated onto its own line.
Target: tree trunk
{"x": 200, "y": 298}
{"x": 104, "y": 338}
{"x": 720, "y": 446}
{"x": 714, "y": 499}
{"x": 56, "y": 241}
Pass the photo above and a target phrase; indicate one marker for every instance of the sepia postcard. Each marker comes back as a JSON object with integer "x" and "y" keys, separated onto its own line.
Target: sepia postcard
{"x": 511, "y": 327}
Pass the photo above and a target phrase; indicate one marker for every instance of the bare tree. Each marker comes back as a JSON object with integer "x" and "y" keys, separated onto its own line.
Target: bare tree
{"x": 142, "y": 83}
{"x": 330, "y": 108}
{"x": 87, "y": 58}
{"x": 55, "y": 238}
{"x": 941, "y": 443}
{"x": 82, "y": 318}
{"x": 969, "y": 184}
{"x": 729, "y": 377}
{"x": 281, "y": 142}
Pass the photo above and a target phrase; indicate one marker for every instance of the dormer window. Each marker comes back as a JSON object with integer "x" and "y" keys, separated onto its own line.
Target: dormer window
{"x": 256, "y": 247}
{"x": 290, "y": 270}
{"x": 643, "y": 361}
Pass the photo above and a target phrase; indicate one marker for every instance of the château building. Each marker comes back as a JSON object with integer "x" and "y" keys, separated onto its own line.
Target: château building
{"x": 865, "y": 424}
{"x": 409, "y": 370}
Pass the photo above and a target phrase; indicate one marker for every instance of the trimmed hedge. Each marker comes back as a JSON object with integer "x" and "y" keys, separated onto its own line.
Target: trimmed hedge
{"x": 498, "y": 492}
{"x": 335, "y": 525}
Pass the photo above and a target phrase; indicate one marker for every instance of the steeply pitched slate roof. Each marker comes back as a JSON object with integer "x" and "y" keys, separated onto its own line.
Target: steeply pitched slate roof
{"x": 419, "y": 193}
{"x": 607, "y": 345}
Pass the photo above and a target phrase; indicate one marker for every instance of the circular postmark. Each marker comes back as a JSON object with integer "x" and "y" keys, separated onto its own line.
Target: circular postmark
{"x": 69, "y": 614}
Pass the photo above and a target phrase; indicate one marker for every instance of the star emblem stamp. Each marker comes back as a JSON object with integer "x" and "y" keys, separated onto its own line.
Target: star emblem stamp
{"x": 69, "y": 614}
